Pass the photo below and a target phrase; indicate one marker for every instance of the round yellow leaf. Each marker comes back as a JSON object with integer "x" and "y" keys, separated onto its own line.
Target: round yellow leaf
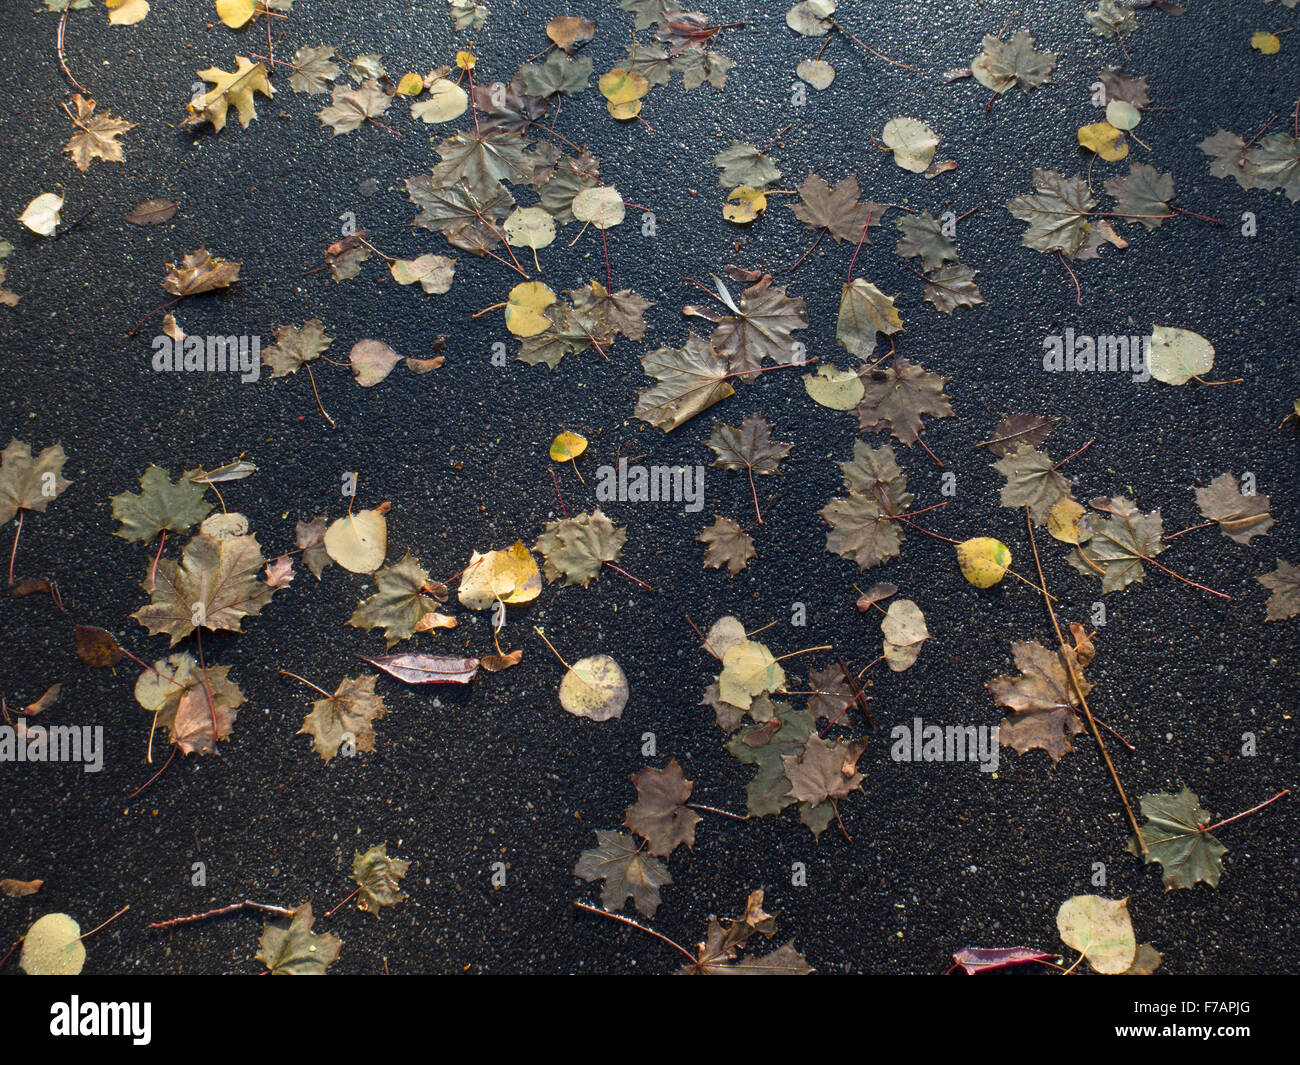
{"x": 525, "y": 309}
{"x": 359, "y": 541}
{"x": 1065, "y": 522}
{"x": 623, "y": 91}
{"x": 1266, "y": 43}
{"x": 466, "y": 60}
{"x": 52, "y": 947}
{"x": 984, "y": 561}
{"x": 1105, "y": 140}
{"x": 234, "y": 13}
{"x": 567, "y": 446}
{"x": 744, "y": 205}
{"x": 594, "y": 688}
{"x": 410, "y": 85}
{"x": 446, "y": 100}
{"x": 1123, "y": 115}
{"x": 602, "y": 206}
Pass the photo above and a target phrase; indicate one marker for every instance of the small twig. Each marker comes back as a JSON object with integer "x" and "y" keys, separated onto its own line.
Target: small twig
{"x": 1245, "y": 813}
{"x": 234, "y": 907}
{"x": 640, "y": 927}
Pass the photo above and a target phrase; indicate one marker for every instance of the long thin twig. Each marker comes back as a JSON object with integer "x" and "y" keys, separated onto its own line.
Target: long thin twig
{"x": 221, "y": 911}
{"x": 1076, "y": 683}
{"x": 640, "y": 927}
{"x": 63, "y": 63}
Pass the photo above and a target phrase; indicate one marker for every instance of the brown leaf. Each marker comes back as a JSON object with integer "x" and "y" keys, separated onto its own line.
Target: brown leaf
{"x": 728, "y": 545}
{"x": 17, "y": 889}
{"x": 1028, "y": 429}
{"x": 345, "y": 716}
{"x": 836, "y": 210}
{"x": 824, "y": 770}
{"x": 1240, "y": 516}
{"x": 152, "y": 212}
{"x": 1042, "y": 699}
{"x": 898, "y": 398}
{"x": 95, "y": 136}
{"x": 570, "y": 32}
{"x": 660, "y": 814}
{"x": 199, "y": 272}
{"x": 97, "y": 647}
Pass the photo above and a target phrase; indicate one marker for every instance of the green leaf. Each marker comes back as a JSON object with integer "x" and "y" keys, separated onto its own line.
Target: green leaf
{"x": 399, "y": 603}
{"x": 160, "y": 505}
{"x": 294, "y": 949}
{"x": 1176, "y": 839}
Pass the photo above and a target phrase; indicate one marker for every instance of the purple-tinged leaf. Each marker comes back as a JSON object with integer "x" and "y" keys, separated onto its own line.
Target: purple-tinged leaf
{"x": 974, "y": 960}
{"x": 428, "y": 669}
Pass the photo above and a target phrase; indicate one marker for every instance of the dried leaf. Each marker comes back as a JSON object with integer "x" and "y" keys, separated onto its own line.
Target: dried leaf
{"x": 295, "y": 950}
{"x": 627, "y": 872}
{"x": 1240, "y": 516}
{"x": 727, "y": 545}
{"x": 376, "y": 876}
{"x": 660, "y": 814}
{"x": 160, "y": 506}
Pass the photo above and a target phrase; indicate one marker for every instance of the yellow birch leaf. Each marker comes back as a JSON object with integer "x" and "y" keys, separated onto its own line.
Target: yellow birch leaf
{"x": 984, "y": 561}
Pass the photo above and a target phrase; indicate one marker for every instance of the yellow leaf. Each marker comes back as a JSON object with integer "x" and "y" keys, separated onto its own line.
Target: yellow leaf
{"x": 230, "y": 87}
{"x": 623, "y": 91}
{"x": 1105, "y": 140}
{"x": 511, "y": 576}
{"x": 359, "y": 541}
{"x": 126, "y": 12}
{"x": 567, "y": 446}
{"x": 236, "y": 13}
{"x": 1266, "y": 43}
{"x": 525, "y": 306}
{"x": 1065, "y": 522}
{"x": 410, "y": 85}
{"x": 984, "y": 561}
{"x": 744, "y": 205}
{"x": 466, "y": 60}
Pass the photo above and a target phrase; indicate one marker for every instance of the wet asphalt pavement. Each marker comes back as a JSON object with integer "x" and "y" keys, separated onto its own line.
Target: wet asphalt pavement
{"x": 942, "y": 856}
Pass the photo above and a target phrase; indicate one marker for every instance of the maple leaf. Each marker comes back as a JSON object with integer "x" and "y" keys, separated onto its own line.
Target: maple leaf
{"x": 1229, "y": 154}
{"x": 898, "y": 398}
{"x": 27, "y": 483}
{"x": 1119, "y": 544}
{"x": 349, "y": 109}
{"x": 1042, "y": 700}
{"x": 511, "y": 110}
{"x": 691, "y": 379}
{"x": 313, "y": 69}
{"x": 1144, "y": 192}
{"x": 864, "y": 312}
{"x": 750, "y": 447}
{"x": 295, "y": 346}
{"x": 1275, "y": 164}
{"x": 743, "y": 164}
{"x": 345, "y": 256}
{"x": 1240, "y": 516}
{"x": 923, "y": 237}
{"x": 1121, "y": 86}
{"x": 468, "y": 14}
{"x": 570, "y": 331}
{"x": 822, "y": 774}
{"x": 623, "y": 311}
{"x": 951, "y": 287}
{"x": 310, "y": 537}
{"x": 1284, "y": 583}
{"x": 761, "y": 325}
{"x": 617, "y": 859}
{"x": 468, "y": 219}
{"x": 229, "y": 87}
{"x": 199, "y": 272}
{"x": 399, "y": 604}
{"x": 572, "y": 176}
{"x": 576, "y": 548}
{"x": 650, "y": 12}
{"x": 837, "y": 210}
{"x": 345, "y": 717}
{"x": 720, "y": 952}
{"x": 1176, "y": 838}
{"x": 728, "y": 545}
{"x": 1002, "y": 64}
{"x": 481, "y": 162}
{"x": 1111, "y": 19}
{"x": 875, "y": 472}
{"x": 96, "y": 135}
{"x": 196, "y": 706}
{"x": 768, "y": 792}
{"x": 650, "y": 61}
{"x": 698, "y": 67}
{"x": 215, "y": 586}
{"x": 1032, "y": 481}
{"x": 1057, "y": 214}
{"x": 660, "y": 814}
{"x": 832, "y": 695}
{"x": 861, "y": 531}
{"x": 160, "y": 505}
{"x": 556, "y": 74}
{"x": 376, "y": 877}
{"x": 294, "y": 949}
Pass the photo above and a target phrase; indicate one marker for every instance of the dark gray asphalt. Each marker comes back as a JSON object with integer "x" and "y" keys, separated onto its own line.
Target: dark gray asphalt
{"x": 942, "y": 856}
